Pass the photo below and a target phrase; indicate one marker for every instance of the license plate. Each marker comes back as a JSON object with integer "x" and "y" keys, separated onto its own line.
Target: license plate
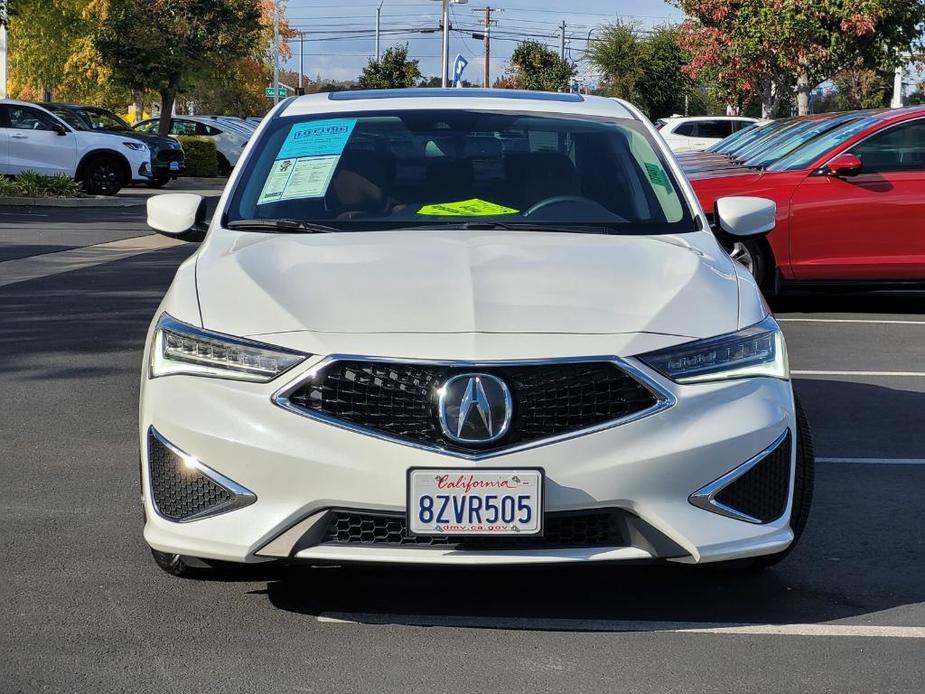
{"x": 475, "y": 502}
{"x": 174, "y": 166}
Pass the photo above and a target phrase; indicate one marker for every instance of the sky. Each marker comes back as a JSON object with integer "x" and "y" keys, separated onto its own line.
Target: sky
{"x": 339, "y": 34}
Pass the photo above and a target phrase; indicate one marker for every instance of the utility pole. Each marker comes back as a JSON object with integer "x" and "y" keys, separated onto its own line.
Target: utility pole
{"x": 444, "y": 82}
{"x": 378, "y": 14}
{"x": 276, "y": 52}
{"x": 488, "y": 21}
{"x": 301, "y": 90}
{"x": 562, "y": 44}
{"x": 4, "y": 17}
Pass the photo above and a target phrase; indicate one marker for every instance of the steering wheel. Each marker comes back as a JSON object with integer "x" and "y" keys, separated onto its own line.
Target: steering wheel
{"x": 563, "y": 200}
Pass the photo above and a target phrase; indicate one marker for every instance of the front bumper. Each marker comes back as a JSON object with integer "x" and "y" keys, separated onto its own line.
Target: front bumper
{"x": 299, "y": 469}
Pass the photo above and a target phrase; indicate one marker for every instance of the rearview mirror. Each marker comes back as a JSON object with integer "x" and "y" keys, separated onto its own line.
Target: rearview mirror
{"x": 178, "y": 215}
{"x": 745, "y": 217}
{"x": 846, "y": 164}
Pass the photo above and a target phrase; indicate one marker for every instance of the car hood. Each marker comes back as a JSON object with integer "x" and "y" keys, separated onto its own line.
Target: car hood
{"x": 155, "y": 142}
{"x": 465, "y": 282}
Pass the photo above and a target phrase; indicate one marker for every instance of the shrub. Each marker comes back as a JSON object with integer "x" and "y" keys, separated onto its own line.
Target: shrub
{"x": 8, "y": 188}
{"x": 31, "y": 184}
{"x": 200, "y": 155}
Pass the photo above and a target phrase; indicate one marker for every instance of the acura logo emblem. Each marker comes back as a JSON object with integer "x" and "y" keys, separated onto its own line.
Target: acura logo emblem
{"x": 474, "y": 408}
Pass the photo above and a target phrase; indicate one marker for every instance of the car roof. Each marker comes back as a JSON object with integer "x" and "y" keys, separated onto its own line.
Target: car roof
{"x": 682, "y": 119}
{"x": 422, "y": 98}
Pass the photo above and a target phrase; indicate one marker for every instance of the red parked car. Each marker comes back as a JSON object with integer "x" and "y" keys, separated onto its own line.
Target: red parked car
{"x": 850, "y": 204}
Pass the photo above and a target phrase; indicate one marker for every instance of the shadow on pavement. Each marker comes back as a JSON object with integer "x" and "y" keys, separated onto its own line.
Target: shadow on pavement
{"x": 848, "y": 301}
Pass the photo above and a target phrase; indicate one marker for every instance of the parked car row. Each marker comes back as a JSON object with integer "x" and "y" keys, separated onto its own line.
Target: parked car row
{"x": 101, "y": 150}
{"x": 849, "y": 189}
{"x": 229, "y": 135}
{"x": 697, "y": 133}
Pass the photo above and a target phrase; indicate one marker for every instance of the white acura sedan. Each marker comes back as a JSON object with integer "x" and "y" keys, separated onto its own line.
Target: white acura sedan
{"x": 465, "y": 327}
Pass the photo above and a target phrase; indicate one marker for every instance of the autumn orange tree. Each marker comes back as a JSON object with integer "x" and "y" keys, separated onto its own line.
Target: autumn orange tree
{"x": 764, "y": 46}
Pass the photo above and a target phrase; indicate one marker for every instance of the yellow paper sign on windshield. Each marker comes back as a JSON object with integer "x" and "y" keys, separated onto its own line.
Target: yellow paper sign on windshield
{"x": 466, "y": 208}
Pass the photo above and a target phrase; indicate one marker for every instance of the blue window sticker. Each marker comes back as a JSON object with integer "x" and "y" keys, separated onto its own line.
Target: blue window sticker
{"x": 322, "y": 138}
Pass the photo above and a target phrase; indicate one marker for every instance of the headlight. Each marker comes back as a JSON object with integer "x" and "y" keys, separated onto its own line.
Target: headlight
{"x": 137, "y": 146}
{"x": 180, "y": 348}
{"x": 758, "y": 350}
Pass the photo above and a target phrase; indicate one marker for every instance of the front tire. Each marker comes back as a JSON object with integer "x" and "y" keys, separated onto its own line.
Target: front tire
{"x": 174, "y": 564}
{"x": 756, "y": 258}
{"x": 224, "y": 166}
{"x": 103, "y": 175}
{"x": 159, "y": 182}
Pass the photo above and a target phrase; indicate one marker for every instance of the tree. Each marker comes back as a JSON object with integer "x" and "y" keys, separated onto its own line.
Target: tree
{"x": 393, "y": 71}
{"x": 43, "y": 35}
{"x": 765, "y": 46}
{"x": 534, "y": 66}
{"x": 163, "y": 44}
{"x": 237, "y": 87}
{"x": 663, "y": 84}
{"x": 617, "y": 56}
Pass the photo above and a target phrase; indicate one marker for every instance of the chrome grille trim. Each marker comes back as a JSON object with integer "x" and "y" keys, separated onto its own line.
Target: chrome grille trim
{"x": 664, "y": 399}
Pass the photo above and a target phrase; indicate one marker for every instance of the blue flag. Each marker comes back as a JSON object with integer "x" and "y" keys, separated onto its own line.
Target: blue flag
{"x": 458, "y": 68}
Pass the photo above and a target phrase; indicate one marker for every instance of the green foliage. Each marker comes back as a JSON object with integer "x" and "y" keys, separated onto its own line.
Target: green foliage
{"x": 8, "y": 188}
{"x": 647, "y": 70}
{"x": 616, "y": 53}
{"x": 392, "y": 71}
{"x": 42, "y": 35}
{"x": 30, "y": 184}
{"x": 200, "y": 156}
{"x": 536, "y": 67}
{"x": 162, "y": 44}
{"x": 761, "y": 47}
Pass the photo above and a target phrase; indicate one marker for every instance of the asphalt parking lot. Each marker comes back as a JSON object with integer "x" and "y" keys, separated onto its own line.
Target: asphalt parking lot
{"x": 85, "y": 608}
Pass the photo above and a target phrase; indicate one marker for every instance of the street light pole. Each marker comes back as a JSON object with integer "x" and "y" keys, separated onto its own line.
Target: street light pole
{"x": 301, "y": 60}
{"x": 276, "y": 52}
{"x": 4, "y": 15}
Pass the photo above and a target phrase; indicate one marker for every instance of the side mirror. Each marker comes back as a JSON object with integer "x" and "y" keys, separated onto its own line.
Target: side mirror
{"x": 58, "y": 128}
{"x": 745, "y": 217}
{"x": 846, "y": 164}
{"x": 178, "y": 215}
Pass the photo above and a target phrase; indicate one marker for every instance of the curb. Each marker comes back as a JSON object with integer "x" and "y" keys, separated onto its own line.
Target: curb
{"x": 96, "y": 201}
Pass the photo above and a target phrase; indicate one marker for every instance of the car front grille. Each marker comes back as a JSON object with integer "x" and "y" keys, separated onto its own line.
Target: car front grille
{"x": 182, "y": 492}
{"x": 169, "y": 155}
{"x": 400, "y": 399}
{"x": 564, "y": 529}
{"x": 763, "y": 491}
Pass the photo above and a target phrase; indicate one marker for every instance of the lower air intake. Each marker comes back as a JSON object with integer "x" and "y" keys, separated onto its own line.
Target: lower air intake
{"x": 763, "y": 491}
{"x": 561, "y": 530}
{"x": 183, "y": 491}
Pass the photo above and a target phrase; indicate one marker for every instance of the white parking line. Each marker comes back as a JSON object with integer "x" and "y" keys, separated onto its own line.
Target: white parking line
{"x": 908, "y": 374}
{"x": 616, "y": 625}
{"x": 45, "y": 264}
{"x": 851, "y": 320}
{"x": 874, "y": 461}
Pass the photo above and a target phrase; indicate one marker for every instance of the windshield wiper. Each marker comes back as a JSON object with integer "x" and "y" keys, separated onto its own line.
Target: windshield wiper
{"x": 528, "y": 226}
{"x": 288, "y": 226}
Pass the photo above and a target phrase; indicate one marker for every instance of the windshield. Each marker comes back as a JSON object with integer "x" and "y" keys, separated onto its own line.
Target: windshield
{"x": 795, "y": 138}
{"x": 735, "y": 140}
{"x": 382, "y": 170}
{"x": 805, "y": 156}
{"x": 102, "y": 119}
{"x": 68, "y": 117}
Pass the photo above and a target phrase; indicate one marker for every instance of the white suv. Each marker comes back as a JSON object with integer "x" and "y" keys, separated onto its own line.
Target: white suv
{"x": 33, "y": 139}
{"x": 229, "y": 139}
{"x": 694, "y": 134}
